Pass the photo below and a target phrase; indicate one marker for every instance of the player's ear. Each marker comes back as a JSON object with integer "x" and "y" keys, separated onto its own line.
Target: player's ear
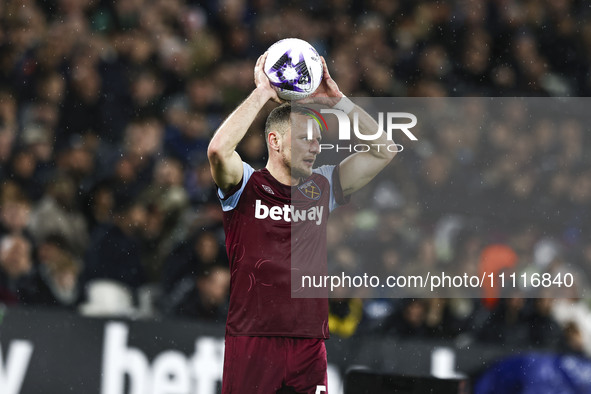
{"x": 274, "y": 140}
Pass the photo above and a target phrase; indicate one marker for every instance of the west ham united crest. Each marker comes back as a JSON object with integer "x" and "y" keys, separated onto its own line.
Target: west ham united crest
{"x": 311, "y": 190}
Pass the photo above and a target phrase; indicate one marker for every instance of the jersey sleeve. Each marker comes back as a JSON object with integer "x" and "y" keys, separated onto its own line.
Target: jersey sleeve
{"x": 337, "y": 197}
{"x": 231, "y": 198}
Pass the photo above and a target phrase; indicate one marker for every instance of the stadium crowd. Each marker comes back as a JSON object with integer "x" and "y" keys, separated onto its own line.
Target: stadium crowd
{"x": 107, "y": 107}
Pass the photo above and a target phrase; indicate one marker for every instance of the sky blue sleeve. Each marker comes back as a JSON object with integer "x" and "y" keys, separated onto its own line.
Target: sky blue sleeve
{"x": 230, "y": 200}
{"x": 327, "y": 172}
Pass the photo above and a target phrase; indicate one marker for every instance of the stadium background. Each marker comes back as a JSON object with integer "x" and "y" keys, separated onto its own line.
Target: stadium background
{"x": 106, "y": 109}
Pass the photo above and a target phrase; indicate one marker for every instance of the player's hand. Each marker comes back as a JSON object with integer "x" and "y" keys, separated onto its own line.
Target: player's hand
{"x": 328, "y": 92}
{"x": 262, "y": 81}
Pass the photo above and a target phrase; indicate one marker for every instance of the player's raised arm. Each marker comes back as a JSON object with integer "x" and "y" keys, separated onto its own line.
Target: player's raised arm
{"x": 358, "y": 169}
{"x": 226, "y": 165}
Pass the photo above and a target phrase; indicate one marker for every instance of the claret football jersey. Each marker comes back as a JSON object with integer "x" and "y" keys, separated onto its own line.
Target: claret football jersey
{"x": 267, "y": 224}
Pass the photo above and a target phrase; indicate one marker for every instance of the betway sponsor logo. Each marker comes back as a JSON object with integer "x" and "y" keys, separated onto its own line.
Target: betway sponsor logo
{"x": 13, "y": 371}
{"x": 170, "y": 372}
{"x": 288, "y": 213}
{"x": 129, "y": 370}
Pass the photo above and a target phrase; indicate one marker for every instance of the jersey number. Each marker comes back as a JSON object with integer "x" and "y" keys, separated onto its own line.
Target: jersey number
{"x": 320, "y": 389}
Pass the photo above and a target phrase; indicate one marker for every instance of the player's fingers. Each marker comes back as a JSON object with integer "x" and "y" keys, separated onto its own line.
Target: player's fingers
{"x": 261, "y": 61}
{"x": 259, "y": 69}
{"x": 324, "y": 67}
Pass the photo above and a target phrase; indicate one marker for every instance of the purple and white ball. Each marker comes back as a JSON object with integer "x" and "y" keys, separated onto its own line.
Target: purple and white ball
{"x": 294, "y": 68}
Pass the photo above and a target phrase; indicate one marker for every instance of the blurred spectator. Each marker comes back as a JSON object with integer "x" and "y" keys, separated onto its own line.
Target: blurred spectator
{"x": 114, "y": 252}
{"x": 409, "y": 321}
{"x": 58, "y": 273}
{"x": 22, "y": 168}
{"x": 99, "y": 205}
{"x": 8, "y": 128}
{"x": 544, "y": 331}
{"x": 199, "y": 184}
{"x": 17, "y": 273}
{"x": 15, "y": 210}
{"x": 197, "y": 252}
{"x": 39, "y": 141}
{"x": 188, "y": 142}
{"x": 496, "y": 259}
{"x": 167, "y": 202}
{"x": 424, "y": 260}
{"x": 442, "y": 320}
{"x": 82, "y": 107}
{"x": 142, "y": 144}
{"x": 58, "y": 213}
{"x": 344, "y": 316}
{"x": 572, "y": 341}
{"x": 574, "y": 316}
{"x": 507, "y": 324}
{"x": 77, "y": 160}
{"x": 203, "y": 296}
{"x": 202, "y": 193}
{"x": 146, "y": 93}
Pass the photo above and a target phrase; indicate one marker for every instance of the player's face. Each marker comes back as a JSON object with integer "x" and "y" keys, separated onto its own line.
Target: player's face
{"x": 300, "y": 151}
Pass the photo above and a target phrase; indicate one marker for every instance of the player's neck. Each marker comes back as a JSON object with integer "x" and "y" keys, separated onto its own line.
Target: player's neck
{"x": 282, "y": 174}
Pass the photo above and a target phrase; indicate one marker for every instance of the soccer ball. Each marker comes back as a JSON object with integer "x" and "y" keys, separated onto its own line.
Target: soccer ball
{"x": 294, "y": 68}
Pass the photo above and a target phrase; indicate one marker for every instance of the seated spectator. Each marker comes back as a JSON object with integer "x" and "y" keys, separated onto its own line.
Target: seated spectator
{"x": 202, "y": 296}
{"x": 507, "y": 324}
{"x": 8, "y": 128}
{"x": 58, "y": 272}
{"x": 571, "y": 341}
{"x": 15, "y": 210}
{"x": 202, "y": 194}
{"x": 142, "y": 145}
{"x": 99, "y": 205}
{"x": 76, "y": 158}
{"x": 167, "y": 204}
{"x": 409, "y": 321}
{"x": 58, "y": 213}
{"x": 17, "y": 273}
{"x": 22, "y": 169}
{"x": 544, "y": 330}
{"x": 575, "y": 316}
{"x": 190, "y": 256}
{"x": 114, "y": 251}
{"x": 188, "y": 143}
{"x": 442, "y": 321}
{"x": 344, "y": 316}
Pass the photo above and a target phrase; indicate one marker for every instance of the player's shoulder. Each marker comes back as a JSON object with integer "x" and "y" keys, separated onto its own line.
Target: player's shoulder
{"x": 324, "y": 171}
{"x": 230, "y": 198}
{"x": 258, "y": 175}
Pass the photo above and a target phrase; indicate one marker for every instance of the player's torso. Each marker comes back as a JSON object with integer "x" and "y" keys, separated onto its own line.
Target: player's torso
{"x": 274, "y": 231}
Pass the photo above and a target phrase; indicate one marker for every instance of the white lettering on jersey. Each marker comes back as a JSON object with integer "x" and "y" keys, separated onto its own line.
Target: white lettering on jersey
{"x": 288, "y": 213}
